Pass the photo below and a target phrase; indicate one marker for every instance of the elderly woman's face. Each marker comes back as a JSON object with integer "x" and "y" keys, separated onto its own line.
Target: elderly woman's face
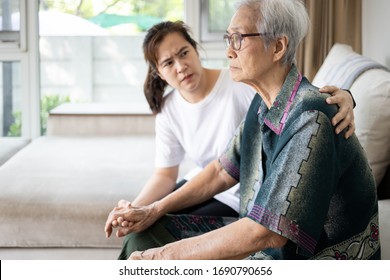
{"x": 251, "y": 63}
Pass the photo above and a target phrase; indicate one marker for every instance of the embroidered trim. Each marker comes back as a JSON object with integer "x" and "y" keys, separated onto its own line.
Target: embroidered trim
{"x": 287, "y": 228}
{"x": 264, "y": 217}
{"x": 359, "y": 247}
{"x": 230, "y": 167}
{"x": 278, "y": 130}
{"x": 291, "y": 230}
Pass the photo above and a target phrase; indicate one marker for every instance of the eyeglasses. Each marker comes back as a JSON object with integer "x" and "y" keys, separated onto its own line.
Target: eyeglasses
{"x": 235, "y": 39}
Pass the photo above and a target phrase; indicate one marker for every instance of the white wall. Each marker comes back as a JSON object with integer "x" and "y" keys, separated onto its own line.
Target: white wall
{"x": 93, "y": 69}
{"x": 97, "y": 69}
{"x": 376, "y": 30}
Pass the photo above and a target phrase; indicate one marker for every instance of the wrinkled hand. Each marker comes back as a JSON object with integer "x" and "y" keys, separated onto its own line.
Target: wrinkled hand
{"x": 345, "y": 117}
{"x": 114, "y": 218}
{"x": 129, "y": 218}
{"x": 150, "y": 254}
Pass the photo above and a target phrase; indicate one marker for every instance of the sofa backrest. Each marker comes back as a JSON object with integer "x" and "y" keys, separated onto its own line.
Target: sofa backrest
{"x": 369, "y": 83}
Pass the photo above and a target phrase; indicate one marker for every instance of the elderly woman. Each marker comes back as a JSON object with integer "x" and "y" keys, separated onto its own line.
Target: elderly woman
{"x": 306, "y": 192}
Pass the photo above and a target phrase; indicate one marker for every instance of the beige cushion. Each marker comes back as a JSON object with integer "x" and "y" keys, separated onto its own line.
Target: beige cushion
{"x": 371, "y": 91}
{"x": 384, "y": 228}
{"x": 10, "y": 146}
{"x": 58, "y": 191}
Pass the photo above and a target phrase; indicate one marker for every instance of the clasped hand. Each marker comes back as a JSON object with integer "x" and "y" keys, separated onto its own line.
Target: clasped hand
{"x": 127, "y": 218}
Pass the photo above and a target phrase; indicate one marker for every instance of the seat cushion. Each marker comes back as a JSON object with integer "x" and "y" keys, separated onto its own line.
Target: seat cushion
{"x": 10, "y": 146}
{"x": 371, "y": 91}
{"x": 58, "y": 191}
{"x": 384, "y": 228}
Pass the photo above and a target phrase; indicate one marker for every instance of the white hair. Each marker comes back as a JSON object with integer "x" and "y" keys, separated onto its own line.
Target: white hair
{"x": 279, "y": 18}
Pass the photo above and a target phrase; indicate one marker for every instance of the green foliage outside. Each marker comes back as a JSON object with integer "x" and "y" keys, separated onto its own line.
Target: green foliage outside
{"x": 15, "y": 129}
{"x": 48, "y": 103}
{"x": 220, "y": 13}
{"x": 93, "y": 10}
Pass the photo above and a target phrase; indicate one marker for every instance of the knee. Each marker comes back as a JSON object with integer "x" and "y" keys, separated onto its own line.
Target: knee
{"x": 135, "y": 242}
{"x": 155, "y": 236}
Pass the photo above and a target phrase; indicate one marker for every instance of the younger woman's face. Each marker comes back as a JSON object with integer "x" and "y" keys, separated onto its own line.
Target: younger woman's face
{"x": 178, "y": 63}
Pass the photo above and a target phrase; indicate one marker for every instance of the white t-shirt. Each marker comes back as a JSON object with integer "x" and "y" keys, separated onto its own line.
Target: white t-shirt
{"x": 202, "y": 130}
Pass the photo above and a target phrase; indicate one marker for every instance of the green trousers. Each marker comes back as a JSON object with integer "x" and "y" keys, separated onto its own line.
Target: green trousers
{"x": 171, "y": 228}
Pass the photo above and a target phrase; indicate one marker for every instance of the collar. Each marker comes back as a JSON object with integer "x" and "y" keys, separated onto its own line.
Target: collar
{"x": 277, "y": 114}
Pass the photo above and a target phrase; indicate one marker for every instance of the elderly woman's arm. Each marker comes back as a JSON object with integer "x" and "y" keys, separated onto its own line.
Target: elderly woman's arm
{"x": 212, "y": 180}
{"x": 234, "y": 241}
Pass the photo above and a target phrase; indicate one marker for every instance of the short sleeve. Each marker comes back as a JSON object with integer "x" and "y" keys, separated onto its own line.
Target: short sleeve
{"x": 294, "y": 198}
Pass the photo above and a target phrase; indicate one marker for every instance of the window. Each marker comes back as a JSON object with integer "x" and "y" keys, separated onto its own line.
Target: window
{"x": 10, "y": 98}
{"x": 15, "y": 62}
{"x": 215, "y": 16}
{"x": 12, "y": 25}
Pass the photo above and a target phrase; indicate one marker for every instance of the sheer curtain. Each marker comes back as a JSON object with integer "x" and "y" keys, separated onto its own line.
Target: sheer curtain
{"x": 332, "y": 21}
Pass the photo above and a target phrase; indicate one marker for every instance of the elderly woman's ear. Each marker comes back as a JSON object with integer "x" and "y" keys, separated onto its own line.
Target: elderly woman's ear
{"x": 280, "y": 48}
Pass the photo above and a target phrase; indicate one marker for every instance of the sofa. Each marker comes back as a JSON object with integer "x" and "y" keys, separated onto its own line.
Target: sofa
{"x": 10, "y": 146}
{"x": 56, "y": 192}
{"x": 369, "y": 83}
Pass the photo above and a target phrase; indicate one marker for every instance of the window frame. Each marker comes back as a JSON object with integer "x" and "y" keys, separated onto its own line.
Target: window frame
{"x": 207, "y": 36}
{"x": 21, "y": 44}
{"x": 192, "y": 16}
{"x": 26, "y": 52}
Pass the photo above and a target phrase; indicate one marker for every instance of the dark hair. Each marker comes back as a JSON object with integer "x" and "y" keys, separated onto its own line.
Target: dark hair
{"x": 154, "y": 86}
